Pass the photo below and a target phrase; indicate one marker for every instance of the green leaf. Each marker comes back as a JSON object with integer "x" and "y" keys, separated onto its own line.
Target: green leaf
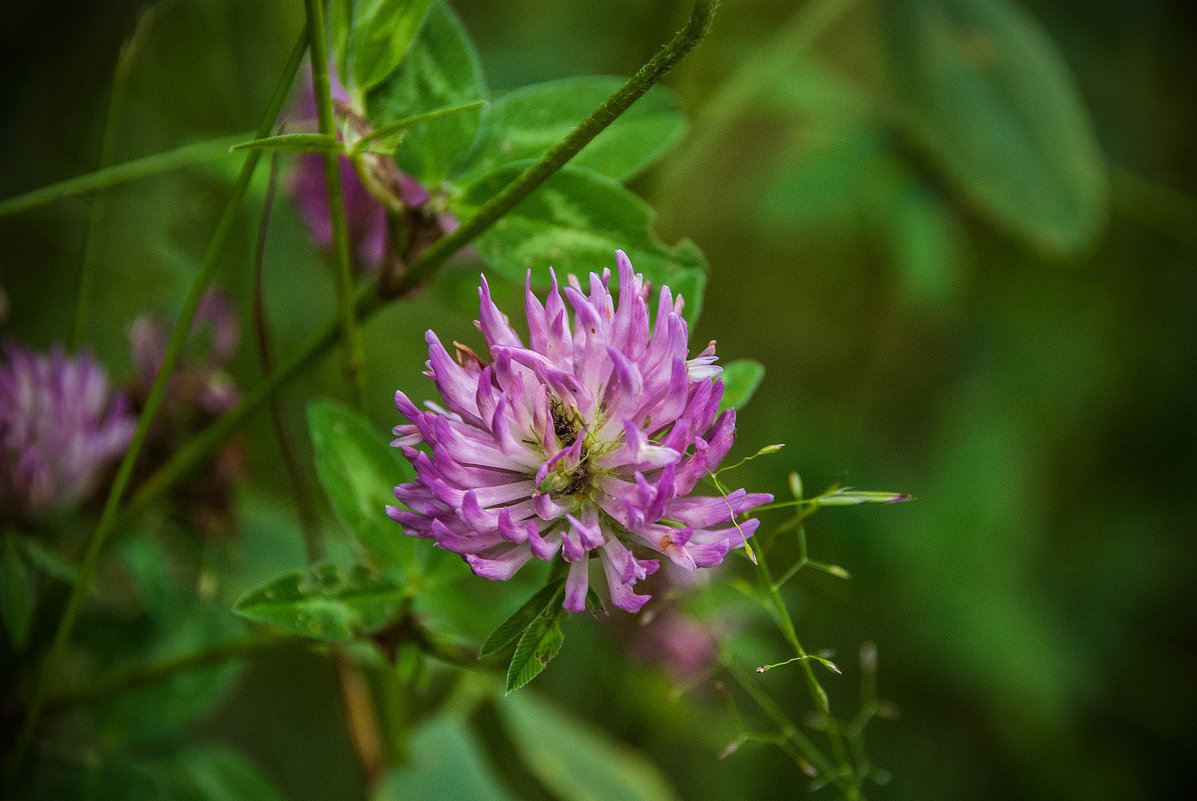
{"x": 193, "y": 773}
{"x": 987, "y": 96}
{"x": 327, "y": 602}
{"x": 440, "y": 70}
{"x": 47, "y": 562}
{"x": 338, "y": 22}
{"x": 507, "y": 632}
{"x": 214, "y": 773}
{"x": 382, "y": 31}
{"x": 174, "y": 622}
{"x": 446, "y": 763}
{"x": 294, "y": 143}
{"x": 16, "y": 594}
{"x": 740, "y": 380}
{"x": 540, "y": 642}
{"x": 525, "y": 124}
{"x": 574, "y": 223}
{"x": 358, "y": 471}
{"x": 922, "y": 237}
{"x": 584, "y": 763}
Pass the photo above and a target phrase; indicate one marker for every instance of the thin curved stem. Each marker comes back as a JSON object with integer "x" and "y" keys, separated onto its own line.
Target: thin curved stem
{"x": 845, "y": 778}
{"x": 305, "y": 509}
{"x": 185, "y": 156}
{"x": 91, "y": 558}
{"x": 95, "y": 216}
{"x": 165, "y": 671}
{"x": 355, "y": 362}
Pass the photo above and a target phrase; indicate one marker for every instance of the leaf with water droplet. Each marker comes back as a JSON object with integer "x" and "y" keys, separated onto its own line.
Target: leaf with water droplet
{"x": 327, "y": 602}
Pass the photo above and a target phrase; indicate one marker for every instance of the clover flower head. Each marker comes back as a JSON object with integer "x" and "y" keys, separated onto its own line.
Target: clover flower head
{"x": 60, "y": 428}
{"x": 587, "y": 441}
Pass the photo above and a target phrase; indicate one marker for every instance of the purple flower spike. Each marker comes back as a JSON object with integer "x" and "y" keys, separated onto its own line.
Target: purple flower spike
{"x": 60, "y": 428}
{"x": 586, "y": 442}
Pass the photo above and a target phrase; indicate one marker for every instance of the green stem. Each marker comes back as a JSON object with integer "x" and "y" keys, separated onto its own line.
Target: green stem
{"x": 185, "y": 156}
{"x": 787, "y": 728}
{"x": 116, "y": 104}
{"x": 355, "y": 361}
{"x": 368, "y": 301}
{"x": 390, "y": 129}
{"x": 305, "y": 509}
{"x": 845, "y": 778}
{"x": 268, "y": 640}
{"x": 108, "y": 517}
{"x": 165, "y": 671}
{"x": 203, "y": 444}
{"x": 523, "y": 186}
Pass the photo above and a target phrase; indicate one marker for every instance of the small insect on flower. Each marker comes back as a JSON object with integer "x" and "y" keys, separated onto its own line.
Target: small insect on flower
{"x": 586, "y": 441}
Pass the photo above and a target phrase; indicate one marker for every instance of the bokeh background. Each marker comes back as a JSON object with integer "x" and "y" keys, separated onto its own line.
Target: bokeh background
{"x": 987, "y": 301}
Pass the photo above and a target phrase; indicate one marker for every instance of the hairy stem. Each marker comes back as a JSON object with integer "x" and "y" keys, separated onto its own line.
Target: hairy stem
{"x": 523, "y": 186}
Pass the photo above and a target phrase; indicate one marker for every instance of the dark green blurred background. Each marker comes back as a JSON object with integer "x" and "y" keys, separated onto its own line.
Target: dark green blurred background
{"x": 1033, "y": 609}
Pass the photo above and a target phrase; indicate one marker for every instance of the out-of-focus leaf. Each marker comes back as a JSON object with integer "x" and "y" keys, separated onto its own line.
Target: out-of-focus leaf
{"x": 44, "y": 560}
{"x": 327, "y": 602}
{"x": 740, "y": 380}
{"x": 447, "y": 763}
{"x": 583, "y": 762}
{"x": 16, "y": 594}
{"x": 441, "y": 70}
{"x": 526, "y": 123}
{"x": 574, "y": 223}
{"x": 985, "y": 93}
{"x": 514, "y": 626}
{"x": 540, "y": 642}
{"x": 213, "y": 773}
{"x": 195, "y": 773}
{"x": 175, "y": 623}
{"x": 823, "y": 178}
{"x": 358, "y": 471}
{"x": 382, "y": 31}
{"x": 923, "y": 241}
{"x": 338, "y": 22}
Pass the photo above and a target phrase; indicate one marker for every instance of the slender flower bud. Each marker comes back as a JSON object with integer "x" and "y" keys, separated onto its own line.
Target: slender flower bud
{"x": 588, "y": 441}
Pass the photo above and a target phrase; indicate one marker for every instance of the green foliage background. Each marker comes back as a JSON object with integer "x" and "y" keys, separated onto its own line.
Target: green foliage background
{"x": 989, "y": 305}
